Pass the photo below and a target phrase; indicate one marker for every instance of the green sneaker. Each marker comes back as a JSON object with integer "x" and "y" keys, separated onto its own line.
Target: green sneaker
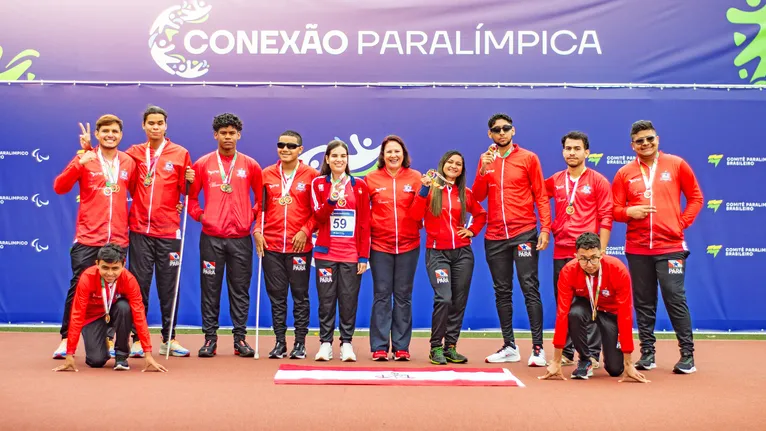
{"x": 437, "y": 356}
{"x": 453, "y": 356}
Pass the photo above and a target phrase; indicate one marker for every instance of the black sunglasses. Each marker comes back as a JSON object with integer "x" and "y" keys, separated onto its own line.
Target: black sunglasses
{"x": 506, "y": 128}
{"x": 649, "y": 139}
{"x": 290, "y": 145}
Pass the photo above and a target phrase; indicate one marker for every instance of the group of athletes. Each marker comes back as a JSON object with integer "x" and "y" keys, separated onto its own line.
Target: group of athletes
{"x": 376, "y": 221}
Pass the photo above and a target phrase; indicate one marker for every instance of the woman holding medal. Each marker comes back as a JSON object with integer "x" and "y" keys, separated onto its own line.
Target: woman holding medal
{"x": 342, "y": 213}
{"x": 96, "y": 308}
{"x": 582, "y": 199}
{"x": 595, "y": 288}
{"x": 647, "y": 196}
{"x": 445, "y": 201}
{"x": 226, "y": 177}
{"x": 395, "y": 250}
{"x": 105, "y": 175}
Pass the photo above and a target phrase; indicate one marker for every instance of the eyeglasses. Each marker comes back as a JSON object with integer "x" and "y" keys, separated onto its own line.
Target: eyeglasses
{"x": 648, "y": 139}
{"x": 290, "y": 145}
{"x": 593, "y": 260}
{"x": 506, "y": 128}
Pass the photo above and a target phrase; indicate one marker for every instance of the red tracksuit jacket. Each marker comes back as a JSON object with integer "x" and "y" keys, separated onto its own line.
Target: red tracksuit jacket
{"x": 101, "y": 219}
{"x": 321, "y": 187}
{"x": 615, "y": 298}
{"x": 227, "y": 215}
{"x": 513, "y": 185}
{"x": 661, "y": 232}
{"x": 593, "y": 209}
{"x": 284, "y": 221}
{"x": 441, "y": 231}
{"x": 88, "y": 305}
{"x": 391, "y": 230}
{"x": 153, "y": 212}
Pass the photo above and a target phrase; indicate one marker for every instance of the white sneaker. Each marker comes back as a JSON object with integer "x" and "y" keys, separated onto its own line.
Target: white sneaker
{"x": 136, "y": 351}
{"x": 324, "y": 353}
{"x": 347, "y": 353}
{"x": 506, "y": 354}
{"x": 60, "y": 352}
{"x": 537, "y": 358}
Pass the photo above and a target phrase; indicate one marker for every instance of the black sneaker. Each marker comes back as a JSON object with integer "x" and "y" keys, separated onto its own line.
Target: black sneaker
{"x": 646, "y": 362}
{"x": 583, "y": 371}
{"x": 279, "y": 351}
{"x": 299, "y": 351}
{"x": 453, "y": 356}
{"x": 685, "y": 365}
{"x": 209, "y": 349}
{"x": 121, "y": 363}
{"x": 437, "y": 356}
{"x": 242, "y": 349}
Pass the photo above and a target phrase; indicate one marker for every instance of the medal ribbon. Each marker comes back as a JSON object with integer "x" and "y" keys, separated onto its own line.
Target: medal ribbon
{"x": 110, "y": 169}
{"x": 287, "y": 183}
{"x": 226, "y": 178}
{"x": 108, "y": 303}
{"x": 648, "y": 182}
{"x": 570, "y": 199}
{"x": 151, "y": 164}
{"x": 589, "y": 283}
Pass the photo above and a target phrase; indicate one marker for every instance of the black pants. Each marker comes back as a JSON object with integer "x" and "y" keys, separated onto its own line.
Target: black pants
{"x": 580, "y": 318}
{"x": 282, "y": 271}
{"x": 82, "y": 258}
{"x": 94, "y": 334}
{"x": 450, "y": 273}
{"x": 594, "y": 336}
{"x": 235, "y": 255}
{"x": 392, "y": 276}
{"x": 149, "y": 255}
{"x": 337, "y": 286}
{"x": 645, "y": 272}
{"x": 501, "y": 255}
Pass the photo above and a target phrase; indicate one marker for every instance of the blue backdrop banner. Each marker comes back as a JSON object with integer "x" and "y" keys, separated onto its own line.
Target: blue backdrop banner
{"x": 717, "y": 131}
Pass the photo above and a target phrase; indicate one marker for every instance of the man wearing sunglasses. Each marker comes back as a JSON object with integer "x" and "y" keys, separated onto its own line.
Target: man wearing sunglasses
{"x": 647, "y": 196}
{"x": 583, "y": 202}
{"x": 512, "y": 179}
{"x": 284, "y": 242}
{"x": 595, "y": 288}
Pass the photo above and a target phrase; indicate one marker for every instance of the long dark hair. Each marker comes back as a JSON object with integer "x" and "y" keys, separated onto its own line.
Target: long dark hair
{"x": 398, "y": 140}
{"x": 436, "y": 195}
{"x": 331, "y": 146}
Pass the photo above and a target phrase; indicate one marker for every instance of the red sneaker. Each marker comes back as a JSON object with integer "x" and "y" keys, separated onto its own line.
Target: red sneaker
{"x": 380, "y": 355}
{"x": 402, "y": 355}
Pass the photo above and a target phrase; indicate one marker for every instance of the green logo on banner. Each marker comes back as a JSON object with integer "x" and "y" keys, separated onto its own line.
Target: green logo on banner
{"x": 714, "y": 249}
{"x": 755, "y": 48}
{"x": 714, "y": 205}
{"x": 15, "y": 69}
{"x": 715, "y": 159}
{"x": 595, "y": 158}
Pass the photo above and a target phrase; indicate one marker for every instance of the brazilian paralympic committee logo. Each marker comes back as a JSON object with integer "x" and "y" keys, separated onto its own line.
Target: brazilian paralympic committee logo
{"x": 755, "y": 48}
{"x": 167, "y": 25}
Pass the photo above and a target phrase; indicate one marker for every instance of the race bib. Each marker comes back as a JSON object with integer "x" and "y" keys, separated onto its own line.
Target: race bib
{"x": 342, "y": 223}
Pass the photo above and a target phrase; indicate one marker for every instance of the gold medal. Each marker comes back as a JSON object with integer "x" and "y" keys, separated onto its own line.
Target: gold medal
{"x": 342, "y": 202}
{"x": 148, "y": 181}
{"x": 570, "y": 209}
{"x": 115, "y": 188}
{"x": 226, "y": 188}
{"x": 288, "y": 200}
{"x": 106, "y": 317}
{"x": 648, "y": 194}
{"x": 281, "y": 200}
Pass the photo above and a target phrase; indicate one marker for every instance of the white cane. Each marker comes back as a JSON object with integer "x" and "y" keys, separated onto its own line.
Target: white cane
{"x": 260, "y": 269}
{"x": 178, "y": 275}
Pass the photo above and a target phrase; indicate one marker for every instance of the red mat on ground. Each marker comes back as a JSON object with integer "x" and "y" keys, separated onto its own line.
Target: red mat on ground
{"x": 289, "y": 374}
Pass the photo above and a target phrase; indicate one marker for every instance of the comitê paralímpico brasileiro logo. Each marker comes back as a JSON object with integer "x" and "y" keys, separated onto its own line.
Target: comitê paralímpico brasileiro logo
{"x": 165, "y": 27}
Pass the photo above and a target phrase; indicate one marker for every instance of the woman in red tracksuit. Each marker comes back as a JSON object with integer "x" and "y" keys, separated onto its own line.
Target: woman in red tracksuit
{"x": 395, "y": 250}
{"x": 342, "y": 214}
{"x": 449, "y": 256}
